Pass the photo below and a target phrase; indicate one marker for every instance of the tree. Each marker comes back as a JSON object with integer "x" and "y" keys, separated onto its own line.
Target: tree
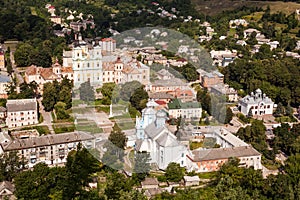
{"x": 116, "y": 184}
{"x": 49, "y": 97}
{"x": 86, "y": 92}
{"x": 23, "y": 55}
{"x": 128, "y": 89}
{"x": 229, "y": 116}
{"x": 174, "y": 172}
{"x": 139, "y": 98}
{"x": 60, "y": 110}
{"x": 110, "y": 91}
{"x": 141, "y": 165}
{"x": 279, "y": 110}
{"x": 10, "y": 165}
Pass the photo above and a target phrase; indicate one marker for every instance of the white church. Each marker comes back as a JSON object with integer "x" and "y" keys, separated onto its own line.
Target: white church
{"x": 154, "y": 137}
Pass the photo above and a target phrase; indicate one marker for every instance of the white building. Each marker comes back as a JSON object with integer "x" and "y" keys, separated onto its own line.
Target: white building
{"x": 4, "y": 81}
{"x": 258, "y": 103}
{"x": 50, "y": 149}
{"x": 224, "y": 89}
{"x": 186, "y": 110}
{"x": 87, "y": 64}
{"x": 21, "y": 112}
{"x": 155, "y": 138}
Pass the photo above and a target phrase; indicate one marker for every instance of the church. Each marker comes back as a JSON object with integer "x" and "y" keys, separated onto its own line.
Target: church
{"x": 154, "y": 137}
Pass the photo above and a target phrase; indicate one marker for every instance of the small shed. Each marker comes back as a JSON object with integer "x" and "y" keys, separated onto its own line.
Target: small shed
{"x": 191, "y": 180}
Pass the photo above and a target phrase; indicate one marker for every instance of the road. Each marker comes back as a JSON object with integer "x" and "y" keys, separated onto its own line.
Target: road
{"x": 17, "y": 74}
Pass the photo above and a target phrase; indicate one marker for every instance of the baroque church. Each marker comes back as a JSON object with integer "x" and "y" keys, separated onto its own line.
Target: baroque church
{"x": 154, "y": 137}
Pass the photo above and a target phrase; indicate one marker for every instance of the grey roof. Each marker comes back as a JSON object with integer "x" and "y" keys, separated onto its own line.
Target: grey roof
{"x": 4, "y": 79}
{"x": 170, "y": 82}
{"x": 16, "y": 105}
{"x": 150, "y": 181}
{"x": 256, "y": 98}
{"x": 7, "y": 185}
{"x": 2, "y": 109}
{"x": 160, "y": 95}
{"x": 224, "y": 153}
{"x": 167, "y": 139}
{"x": 46, "y": 140}
{"x": 152, "y": 131}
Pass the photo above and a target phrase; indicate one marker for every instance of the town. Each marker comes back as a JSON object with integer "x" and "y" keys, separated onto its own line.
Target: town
{"x": 184, "y": 105}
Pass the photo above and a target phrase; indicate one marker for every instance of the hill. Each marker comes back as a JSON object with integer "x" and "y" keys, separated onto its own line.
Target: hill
{"x": 213, "y": 7}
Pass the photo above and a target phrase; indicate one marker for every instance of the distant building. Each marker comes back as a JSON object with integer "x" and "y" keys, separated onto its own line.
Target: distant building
{"x": 2, "y": 59}
{"x": 108, "y": 44}
{"x": 258, "y": 103}
{"x": 208, "y": 79}
{"x": 56, "y": 19}
{"x": 4, "y": 81}
{"x": 186, "y": 110}
{"x": 237, "y": 22}
{"x": 209, "y": 160}
{"x": 50, "y": 149}
{"x": 21, "y": 112}
{"x": 224, "y": 89}
{"x": 191, "y": 180}
{"x": 167, "y": 85}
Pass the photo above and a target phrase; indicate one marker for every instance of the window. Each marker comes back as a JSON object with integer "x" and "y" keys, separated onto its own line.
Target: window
{"x": 78, "y": 66}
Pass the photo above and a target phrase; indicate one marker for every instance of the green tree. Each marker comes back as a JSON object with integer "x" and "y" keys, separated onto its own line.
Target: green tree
{"x": 174, "y": 172}
{"x": 229, "y": 116}
{"x": 49, "y": 97}
{"x": 110, "y": 91}
{"x": 116, "y": 184}
{"x": 128, "y": 89}
{"x": 141, "y": 165}
{"x": 23, "y": 55}
{"x": 10, "y": 166}
{"x": 60, "y": 110}
{"x": 86, "y": 92}
{"x": 139, "y": 98}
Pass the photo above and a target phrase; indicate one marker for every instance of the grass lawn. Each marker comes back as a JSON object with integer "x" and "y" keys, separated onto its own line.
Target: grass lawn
{"x": 126, "y": 125}
{"x": 43, "y": 130}
{"x": 63, "y": 128}
{"x": 195, "y": 145}
{"x": 208, "y": 175}
{"x": 285, "y": 119}
{"x": 88, "y": 126}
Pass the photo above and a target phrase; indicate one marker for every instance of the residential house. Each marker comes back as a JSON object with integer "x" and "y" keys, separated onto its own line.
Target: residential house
{"x": 249, "y": 31}
{"x": 258, "y": 104}
{"x": 164, "y": 74}
{"x": 208, "y": 160}
{"x": 122, "y": 72}
{"x": 2, "y": 59}
{"x": 150, "y": 183}
{"x": 154, "y": 137}
{"x": 224, "y": 89}
{"x": 51, "y": 149}
{"x": 83, "y": 24}
{"x": 191, "y": 180}
{"x": 21, "y": 112}
{"x": 238, "y": 22}
{"x": 108, "y": 44}
{"x": 183, "y": 95}
{"x": 2, "y": 112}
{"x": 163, "y": 96}
{"x": 208, "y": 79}
{"x": 7, "y": 190}
{"x": 42, "y": 75}
{"x": 55, "y": 19}
{"x": 209, "y": 31}
{"x": 4, "y": 82}
{"x": 186, "y": 110}
{"x": 167, "y": 85}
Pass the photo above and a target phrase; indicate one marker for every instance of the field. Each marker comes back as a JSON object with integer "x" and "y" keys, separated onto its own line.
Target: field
{"x": 213, "y": 7}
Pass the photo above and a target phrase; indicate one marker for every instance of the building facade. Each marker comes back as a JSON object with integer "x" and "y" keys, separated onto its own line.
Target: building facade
{"x": 258, "y": 103}
{"x": 4, "y": 81}
{"x": 21, "y": 112}
{"x": 186, "y": 110}
{"x": 87, "y": 63}
{"x": 50, "y": 149}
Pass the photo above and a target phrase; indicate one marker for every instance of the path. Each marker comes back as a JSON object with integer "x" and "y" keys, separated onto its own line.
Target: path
{"x": 46, "y": 116}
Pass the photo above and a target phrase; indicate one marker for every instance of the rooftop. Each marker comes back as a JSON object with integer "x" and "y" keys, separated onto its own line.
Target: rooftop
{"x": 46, "y": 140}
{"x": 178, "y": 104}
{"x": 224, "y": 153}
{"x": 16, "y": 105}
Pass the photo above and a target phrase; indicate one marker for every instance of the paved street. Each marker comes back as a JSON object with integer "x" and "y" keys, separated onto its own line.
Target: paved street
{"x": 46, "y": 116}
